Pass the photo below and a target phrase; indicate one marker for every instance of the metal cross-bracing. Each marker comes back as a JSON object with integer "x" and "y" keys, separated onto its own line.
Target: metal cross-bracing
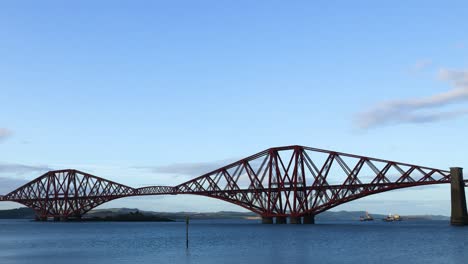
{"x": 289, "y": 181}
{"x": 154, "y": 190}
{"x": 297, "y": 181}
{"x": 67, "y": 193}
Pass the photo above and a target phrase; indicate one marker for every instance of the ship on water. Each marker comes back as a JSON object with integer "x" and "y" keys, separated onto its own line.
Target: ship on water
{"x": 392, "y": 218}
{"x": 366, "y": 217}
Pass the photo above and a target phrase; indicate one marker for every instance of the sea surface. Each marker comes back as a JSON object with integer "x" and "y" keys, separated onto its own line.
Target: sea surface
{"x": 232, "y": 241}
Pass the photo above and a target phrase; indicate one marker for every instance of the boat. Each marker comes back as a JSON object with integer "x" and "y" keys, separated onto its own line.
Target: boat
{"x": 367, "y": 217}
{"x": 392, "y": 218}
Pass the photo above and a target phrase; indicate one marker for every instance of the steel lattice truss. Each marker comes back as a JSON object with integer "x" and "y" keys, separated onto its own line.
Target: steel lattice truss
{"x": 296, "y": 180}
{"x": 152, "y": 190}
{"x": 284, "y": 181}
{"x": 67, "y": 193}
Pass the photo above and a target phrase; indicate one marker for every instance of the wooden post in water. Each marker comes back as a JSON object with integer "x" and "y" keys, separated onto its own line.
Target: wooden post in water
{"x": 186, "y": 231}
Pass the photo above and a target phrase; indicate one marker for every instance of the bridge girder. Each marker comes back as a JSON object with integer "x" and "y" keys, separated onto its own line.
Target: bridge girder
{"x": 285, "y": 181}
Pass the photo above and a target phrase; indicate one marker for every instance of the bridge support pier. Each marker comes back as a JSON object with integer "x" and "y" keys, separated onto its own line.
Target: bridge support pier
{"x": 459, "y": 215}
{"x": 295, "y": 220}
{"x": 40, "y": 216}
{"x": 281, "y": 220}
{"x": 267, "y": 220}
{"x": 63, "y": 218}
{"x": 309, "y": 219}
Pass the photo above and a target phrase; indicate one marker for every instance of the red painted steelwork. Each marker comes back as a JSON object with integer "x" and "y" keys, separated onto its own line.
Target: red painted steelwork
{"x": 284, "y": 181}
{"x": 67, "y": 193}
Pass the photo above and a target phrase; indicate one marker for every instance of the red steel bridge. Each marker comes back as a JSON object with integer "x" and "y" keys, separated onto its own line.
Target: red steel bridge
{"x": 292, "y": 182}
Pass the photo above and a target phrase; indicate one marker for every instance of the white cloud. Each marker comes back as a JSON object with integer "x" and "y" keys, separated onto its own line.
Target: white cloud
{"x": 10, "y": 184}
{"x": 460, "y": 45}
{"x": 411, "y": 110}
{"x": 458, "y": 78}
{"x": 5, "y": 133}
{"x": 13, "y": 168}
{"x": 421, "y": 65}
{"x": 187, "y": 169}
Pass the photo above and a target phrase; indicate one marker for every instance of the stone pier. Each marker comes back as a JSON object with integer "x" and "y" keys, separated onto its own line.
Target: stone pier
{"x": 41, "y": 218}
{"x": 309, "y": 219}
{"x": 459, "y": 215}
{"x": 295, "y": 220}
{"x": 281, "y": 220}
{"x": 60, "y": 218}
{"x": 267, "y": 220}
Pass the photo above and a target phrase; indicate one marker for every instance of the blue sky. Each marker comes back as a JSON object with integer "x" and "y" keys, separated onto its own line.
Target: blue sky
{"x": 120, "y": 89}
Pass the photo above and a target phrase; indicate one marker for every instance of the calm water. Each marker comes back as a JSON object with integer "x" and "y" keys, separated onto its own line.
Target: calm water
{"x": 232, "y": 242}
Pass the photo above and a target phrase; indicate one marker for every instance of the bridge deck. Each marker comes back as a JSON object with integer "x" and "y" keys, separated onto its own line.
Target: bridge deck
{"x": 292, "y": 180}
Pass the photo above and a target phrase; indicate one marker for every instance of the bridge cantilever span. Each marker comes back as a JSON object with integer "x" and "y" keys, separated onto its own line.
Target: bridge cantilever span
{"x": 292, "y": 181}
{"x": 67, "y": 193}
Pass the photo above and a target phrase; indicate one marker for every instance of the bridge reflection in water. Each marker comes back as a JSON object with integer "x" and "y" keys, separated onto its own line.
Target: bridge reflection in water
{"x": 292, "y": 182}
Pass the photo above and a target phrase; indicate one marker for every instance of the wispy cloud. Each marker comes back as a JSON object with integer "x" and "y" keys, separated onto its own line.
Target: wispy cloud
{"x": 460, "y": 45}
{"x": 10, "y": 170}
{"x": 422, "y": 65}
{"x": 5, "y": 133}
{"x": 412, "y": 110}
{"x": 187, "y": 169}
{"x": 9, "y": 184}
{"x": 17, "y": 169}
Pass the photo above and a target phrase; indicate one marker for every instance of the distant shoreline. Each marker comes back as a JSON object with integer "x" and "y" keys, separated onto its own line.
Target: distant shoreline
{"x": 130, "y": 217}
{"x": 118, "y": 215}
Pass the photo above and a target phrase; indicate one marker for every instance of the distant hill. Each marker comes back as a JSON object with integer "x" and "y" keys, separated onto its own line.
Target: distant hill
{"x": 173, "y": 215}
{"x": 325, "y": 216}
{"x": 128, "y": 217}
{"x": 19, "y": 213}
{"x": 26, "y": 213}
{"x": 355, "y": 215}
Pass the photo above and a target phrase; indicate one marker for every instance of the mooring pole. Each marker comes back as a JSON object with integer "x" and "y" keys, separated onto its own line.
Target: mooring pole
{"x": 186, "y": 231}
